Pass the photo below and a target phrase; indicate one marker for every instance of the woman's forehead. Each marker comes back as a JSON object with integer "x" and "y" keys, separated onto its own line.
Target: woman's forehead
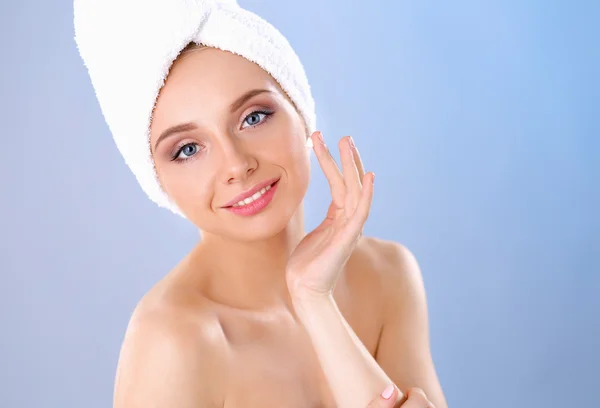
{"x": 215, "y": 68}
{"x": 204, "y": 84}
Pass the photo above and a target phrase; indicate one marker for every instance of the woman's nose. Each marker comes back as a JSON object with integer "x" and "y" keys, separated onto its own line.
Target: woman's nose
{"x": 237, "y": 162}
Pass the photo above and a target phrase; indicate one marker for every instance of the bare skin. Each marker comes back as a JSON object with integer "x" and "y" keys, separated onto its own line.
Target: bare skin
{"x": 222, "y": 329}
{"x": 263, "y": 358}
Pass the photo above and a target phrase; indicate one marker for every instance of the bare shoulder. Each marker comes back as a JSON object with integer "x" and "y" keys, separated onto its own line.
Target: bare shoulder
{"x": 392, "y": 273}
{"x": 388, "y": 261}
{"x": 170, "y": 353}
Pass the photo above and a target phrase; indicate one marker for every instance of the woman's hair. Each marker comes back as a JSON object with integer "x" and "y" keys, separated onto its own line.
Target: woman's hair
{"x": 190, "y": 47}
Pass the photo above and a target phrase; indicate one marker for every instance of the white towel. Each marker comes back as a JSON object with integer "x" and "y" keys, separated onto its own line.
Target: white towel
{"x": 128, "y": 47}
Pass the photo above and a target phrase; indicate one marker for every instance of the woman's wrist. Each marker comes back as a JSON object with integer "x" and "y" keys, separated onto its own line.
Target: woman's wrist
{"x": 307, "y": 303}
{"x": 352, "y": 374}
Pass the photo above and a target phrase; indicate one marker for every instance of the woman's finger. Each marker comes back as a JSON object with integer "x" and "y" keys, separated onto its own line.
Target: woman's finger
{"x": 356, "y": 223}
{"x": 387, "y": 399}
{"x": 417, "y": 399}
{"x": 352, "y": 180}
{"x": 331, "y": 170}
{"x": 359, "y": 163}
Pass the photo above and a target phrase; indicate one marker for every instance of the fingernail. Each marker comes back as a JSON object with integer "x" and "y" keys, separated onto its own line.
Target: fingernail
{"x": 373, "y": 179}
{"x": 387, "y": 393}
{"x": 320, "y": 137}
{"x": 351, "y": 143}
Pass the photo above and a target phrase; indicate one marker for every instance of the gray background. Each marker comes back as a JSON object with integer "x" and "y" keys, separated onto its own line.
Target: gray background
{"x": 480, "y": 119}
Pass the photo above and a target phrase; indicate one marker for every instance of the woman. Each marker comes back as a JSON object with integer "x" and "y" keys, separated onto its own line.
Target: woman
{"x": 260, "y": 313}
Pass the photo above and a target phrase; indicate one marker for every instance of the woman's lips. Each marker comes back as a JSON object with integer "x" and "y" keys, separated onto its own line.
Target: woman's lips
{"x": 256, "y": 205}
{"x": 250, "y": 192}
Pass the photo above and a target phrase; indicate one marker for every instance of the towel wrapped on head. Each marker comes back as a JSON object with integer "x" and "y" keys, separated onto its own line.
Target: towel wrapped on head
{"x": 128, "y": 47}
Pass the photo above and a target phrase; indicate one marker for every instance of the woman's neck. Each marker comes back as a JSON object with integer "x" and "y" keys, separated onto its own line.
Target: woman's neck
{"x": 250, "y": 275}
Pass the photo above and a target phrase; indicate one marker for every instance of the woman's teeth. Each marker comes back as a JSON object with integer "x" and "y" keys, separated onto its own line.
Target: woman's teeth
{"x": 254, "y": 197}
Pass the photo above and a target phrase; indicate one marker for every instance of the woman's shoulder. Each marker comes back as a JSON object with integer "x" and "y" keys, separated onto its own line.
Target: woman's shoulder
{"x": 174, "y": 307}
{"x": 173, "y": 338}
{"x": 384, "y": 258}
{"x": 383, "y": 268}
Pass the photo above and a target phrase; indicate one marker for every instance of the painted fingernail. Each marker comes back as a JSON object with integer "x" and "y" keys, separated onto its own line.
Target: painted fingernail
{"x": 387, "y": 393}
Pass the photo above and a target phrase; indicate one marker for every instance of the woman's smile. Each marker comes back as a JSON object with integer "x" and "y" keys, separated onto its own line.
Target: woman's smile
{"x": 255, "y": 203}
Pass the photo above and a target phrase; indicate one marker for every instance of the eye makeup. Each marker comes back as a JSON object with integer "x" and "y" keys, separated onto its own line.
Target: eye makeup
{"x": 182, "y": 147}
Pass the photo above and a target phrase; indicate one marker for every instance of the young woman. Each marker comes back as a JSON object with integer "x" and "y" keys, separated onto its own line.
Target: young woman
{"x": 261, "y": 313}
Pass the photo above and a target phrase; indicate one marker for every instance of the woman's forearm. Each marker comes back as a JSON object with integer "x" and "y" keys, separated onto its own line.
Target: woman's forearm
{"x": 353, "y": 375}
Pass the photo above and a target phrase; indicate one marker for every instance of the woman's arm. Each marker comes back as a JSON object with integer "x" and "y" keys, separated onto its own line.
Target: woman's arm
{"x": 403, "y": 350}
{"x": 313, "y": 268}
{"x": 353, "y": 375}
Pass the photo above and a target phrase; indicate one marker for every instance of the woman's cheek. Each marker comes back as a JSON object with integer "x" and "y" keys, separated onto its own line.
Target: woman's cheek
{"x": 178, "y": 181}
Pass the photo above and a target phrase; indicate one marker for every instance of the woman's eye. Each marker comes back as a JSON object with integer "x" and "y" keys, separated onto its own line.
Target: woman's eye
{"x": 255, "y": 118}
{"x": 186, "y": 151}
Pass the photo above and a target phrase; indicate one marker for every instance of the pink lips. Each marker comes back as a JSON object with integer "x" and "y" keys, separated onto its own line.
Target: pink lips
{"x": 257, "y": 205}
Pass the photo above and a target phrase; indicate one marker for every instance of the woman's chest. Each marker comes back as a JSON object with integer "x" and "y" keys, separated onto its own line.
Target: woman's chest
{"x": 271, "y": 360}
{"x": 274, "y": 364}
{"x": 275, "y": 376}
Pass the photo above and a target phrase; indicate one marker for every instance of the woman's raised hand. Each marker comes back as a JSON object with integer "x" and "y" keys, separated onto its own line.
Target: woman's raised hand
{"x": 315, "y": 264}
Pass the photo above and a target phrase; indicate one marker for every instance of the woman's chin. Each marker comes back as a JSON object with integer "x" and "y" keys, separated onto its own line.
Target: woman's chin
{"x": 258, "y": 229}
{"x": 255, "y": 228}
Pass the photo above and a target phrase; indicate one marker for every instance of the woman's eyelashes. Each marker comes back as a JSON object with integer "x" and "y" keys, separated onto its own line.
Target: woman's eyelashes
{"x": 257, "y": 117}
{"x": 188, "y": 150}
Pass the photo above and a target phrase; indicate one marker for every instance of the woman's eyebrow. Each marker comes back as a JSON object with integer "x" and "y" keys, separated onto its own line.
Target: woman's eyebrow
{"x": 186, "y": 127}
{"x": 182, "y": 127}
{"x": 242, "y": 99}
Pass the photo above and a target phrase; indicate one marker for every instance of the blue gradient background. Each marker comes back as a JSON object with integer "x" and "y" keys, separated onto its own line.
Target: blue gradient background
{"x": 480, "y": 119}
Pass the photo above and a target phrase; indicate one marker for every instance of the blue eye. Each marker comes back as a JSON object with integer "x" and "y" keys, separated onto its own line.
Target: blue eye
{"x": 186, "y": 151}
{"x": 255, "y": 118}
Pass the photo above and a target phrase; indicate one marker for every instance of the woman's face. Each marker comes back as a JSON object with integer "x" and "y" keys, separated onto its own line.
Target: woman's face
{"x": 221, "y": 127}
